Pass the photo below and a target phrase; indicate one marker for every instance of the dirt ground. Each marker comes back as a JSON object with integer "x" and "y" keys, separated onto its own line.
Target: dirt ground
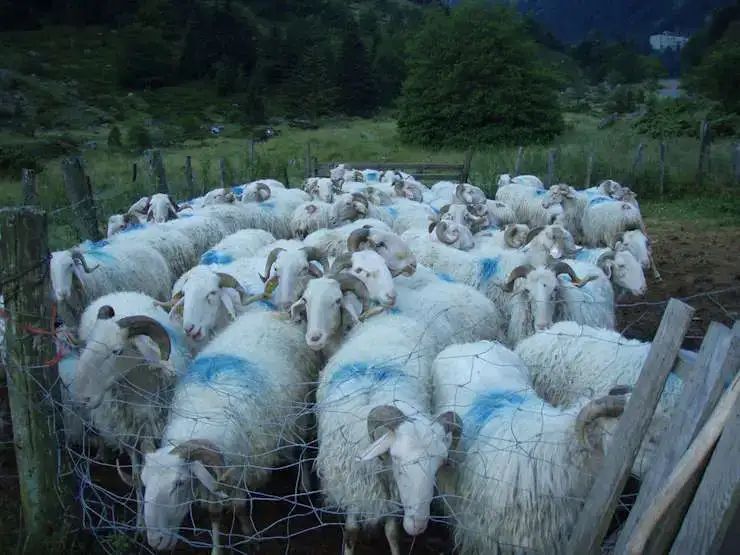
{"x": 698, "y": 266}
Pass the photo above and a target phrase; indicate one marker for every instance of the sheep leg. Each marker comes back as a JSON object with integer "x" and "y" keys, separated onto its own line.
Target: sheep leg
{"x": 351, "y": 533}
{"x": 245, "y": 521}
{"x": 393, "y": 535}
{"x": 216, "y": 548}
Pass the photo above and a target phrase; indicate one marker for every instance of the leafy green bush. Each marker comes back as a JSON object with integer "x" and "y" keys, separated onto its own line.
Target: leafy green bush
{"x": 115, "y": 139}
{"x": 676, "y": 117}
{"x": 138, "y": 137}
{"x": 31, "y": 153}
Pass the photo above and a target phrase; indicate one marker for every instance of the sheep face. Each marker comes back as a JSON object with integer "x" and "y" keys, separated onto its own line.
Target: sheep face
{"x": 557, "y": 194}
{"x": 415, "y": 450}
{"x": 161, "y": 208}
{"x": 370, "y": 268}
{"x": 504, "y": 179}
{"x": 625, "y": 271}
{"x": 320, "y": 188}
{"x": 201, "y": 296}
{"x": 453, "y": 234}
{"x": 255, "y": 192}
{"x": 115, "y": 348}
{"x": 516, "y": 235}
{"x": 470, "y": 194}
{"x": 217, "y": 196}
{"x": 170, "y": 481}
{"x": 115, "y": 224}
{"x": 536, "y": 289}
{"x": 636, "y": 242}
{"x": 348, "y": 208}
{"x": 64, "y": 267}
{"x": 292, "y": 269}
{"x": 397, "y": 255}
{"x": 322, "y": 304}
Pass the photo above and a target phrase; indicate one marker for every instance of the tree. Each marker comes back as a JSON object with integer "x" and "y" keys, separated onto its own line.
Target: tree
{"x": 474, "y": 78}
{"x": 145, "y": 58}
{"x": 357, "y": 90}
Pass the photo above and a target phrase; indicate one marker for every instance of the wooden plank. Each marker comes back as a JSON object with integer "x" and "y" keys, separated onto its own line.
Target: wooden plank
{"x": 598, "y": 509}
{"x": 81, "y": 198}
{"x": 45, "y": 482}
{"x": 28, "y": 184}
{"x": 396, "y": 166}
{"x": 715, "y": 365}
{"x": 717, "y": 500}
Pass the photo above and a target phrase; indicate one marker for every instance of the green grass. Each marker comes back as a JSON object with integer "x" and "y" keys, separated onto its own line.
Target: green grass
{"x": 363, "y": 140}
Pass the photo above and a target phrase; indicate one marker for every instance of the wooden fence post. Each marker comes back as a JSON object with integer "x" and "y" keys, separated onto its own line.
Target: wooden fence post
{"x": 28, "y": 183}
{"x": 46, "y": 493}
{"x": 251, "y": 161}
{"x": 703, "y": 143}
{"x": 637, "y": 161}
{"x": 518, "y": 161}
{"x": 465, "y": 177}
{"x": 134, "y": 173}
{"x": 735, "y": 157}
{"x": 156, "y": 169}
{"x": 598, "y": 509}
{"x": 551, "y": 159}
{"x": 589, "y": 169}
{"x": 224, "y": 173}
{"x": 717, "y": 361}
{"x": 308, "y": 160}
{"x": 80, "y": 196}
{"x": 189, "y": 180}
{"x": 661, "y": 184}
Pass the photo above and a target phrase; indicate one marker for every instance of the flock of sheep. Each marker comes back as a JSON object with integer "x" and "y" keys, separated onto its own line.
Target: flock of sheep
{"x": 464, "y": 349}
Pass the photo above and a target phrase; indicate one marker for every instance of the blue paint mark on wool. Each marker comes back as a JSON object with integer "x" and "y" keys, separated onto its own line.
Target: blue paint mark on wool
{"x": 133, "y": 227}
{"x": 177, "y": 338}
{"x": 90, "y": 246}
{"x": 599, "y": 200}
{"x": 237, "y": 189}
{"x": 186, "y": 215}
{"x": 268, "y": 204}
{"x": 436, "y": 211}
{"x": 392, "y": 212}
{"x": 394, "y": 310}
{"x": 488, "y": 268}
{"x": 485, "y": 406}
{"x": 206, "y": 368}
{"x": 376, "y": 372}
{"x": 216, "y": 257}
{"x": 539, "y": 192}
{"x": 446, "y": 277}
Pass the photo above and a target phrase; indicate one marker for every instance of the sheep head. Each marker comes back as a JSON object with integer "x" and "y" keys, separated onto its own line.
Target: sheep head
{"x": 169, "y": 475}
{"x": 608, "y": 406}
{"x": 415, "y": 449}
{"x": 516, "y": 235}
{"x": 469, "y": 194}
{"x": 161, "y": 208}
{"x": 290, "y": 271}
{"x": 65, "y": 266}
{"x": 398, "y": 256}
{"x": 623, "y": 269}
{"x": 371, "y": 268}
{"x": 116, "y": 347}
{"x": 536, "y": 289}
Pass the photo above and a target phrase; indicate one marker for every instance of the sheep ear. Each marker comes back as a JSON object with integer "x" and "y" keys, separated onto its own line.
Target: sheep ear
{"x": 379, "y": 446}
{"x": 228, "y": 295}
{"x": 206, "y": 478}
{"x": 78, "y": 271}
{"x": 349, "y": 304}
{"x": 607, "y": 269}
{"x": 147, "y": 347}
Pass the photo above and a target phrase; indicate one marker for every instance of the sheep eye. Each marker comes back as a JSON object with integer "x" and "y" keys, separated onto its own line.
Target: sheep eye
{"x": 381, "y": 245}
{"x": 117, "y": 352}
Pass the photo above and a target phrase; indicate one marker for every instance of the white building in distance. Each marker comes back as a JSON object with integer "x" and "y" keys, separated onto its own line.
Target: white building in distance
{"x": 666, "y": 41}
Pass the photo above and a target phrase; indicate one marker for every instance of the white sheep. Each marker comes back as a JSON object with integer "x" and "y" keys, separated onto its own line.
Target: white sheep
{"x": 333, "y": 241}
{"x": 527, "y": 204}
{"x": 569, "y": 360}
{"x": 322, "y": 188}
{"x": 243, "y": 243}
{"x": 220, "y": 195}
{"x": 523, "y": 180}
{"x": 123, "y": 222}
{"x": 604, "y": 220}
{"x": 161, "y": 208}
{"x": 523, "y": 468}
{"x": 402, "y": 215}
{"x": 620, "y": 266}
{"x": 463, "y": 214}
{"x": 237, "y": 414}
{"x": 88, "y": 271}
{"x": 378, "y": 449}
{"x": 452, "y": 234}
{"x": 512, "y": 236}
{"x": 272, "y": 212}
{"x": 499, "y": 214}
{"x": 310, "y": 216}
{"x": 591, "y": 302}
{"x": 639, "y": 244}
{"x": 127, "y": 368}
{"x": 202, "y": 228}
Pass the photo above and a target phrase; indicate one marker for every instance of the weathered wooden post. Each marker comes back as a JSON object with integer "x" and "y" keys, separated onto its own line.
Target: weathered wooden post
{"x": 189, "y": 180}
{"x": 518, "y": 161}
{"x": 134, "y": 172}
{"x": 662, "y": 169}
{"x": 551, "y": 159}
{"x": 735, "y": 157}
{"x": 156, "y": 170}
{"x": 308, "y": 160}
{"x": 224, "y": 173}
{"x": 46, "y": 493}
{"x": 637, "y": 162}
{"x": 589, "y": 169}
{"x": 703, "y": 144}
{"x": 28, "y": 184}
{"x": 251, "y": 161}
{"x": 80, "y": 196}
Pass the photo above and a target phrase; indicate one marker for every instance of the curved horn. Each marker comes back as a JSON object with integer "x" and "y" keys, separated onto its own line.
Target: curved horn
{"x": 341, "y": 262}
{"x": 173, "y": 203}
{"x": 172, "y": 302}
{"x": 518, "y": 272}
{"x": 354, "y": 284}
{"x": 384, "y": 416}
{"x": 263, "y": 187}
{"x": 127, "y": 478}
{"x": 226, "y": 280}
{"x": 357, "y": 237}
{"x": 534, "y": 232}
{"x": 432, "y": 225}
{"x": 202, "y": 450}
{"x": 452, "y": 423}
{"x": 618, "y": 238}
{"x": 565, "y": 268}
{"x": 144, "y": 325}
{"x": 609, "y": 406}
{"x": 315, "y": 253}
{"x": 271, "y": 258}
{"x": 443, "y": 210}
{"x": 398, "y": 186}
{"x": 509, "y": 233}
{"x": 459, "y": 191}
{"x": 79, "y": 257}
{"x": 444, "y": 235}
{"x": 620, "y": 390}
{"x": 606, "y": 255}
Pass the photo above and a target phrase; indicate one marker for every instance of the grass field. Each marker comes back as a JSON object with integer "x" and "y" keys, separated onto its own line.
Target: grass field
{"x": 283, "y": 157}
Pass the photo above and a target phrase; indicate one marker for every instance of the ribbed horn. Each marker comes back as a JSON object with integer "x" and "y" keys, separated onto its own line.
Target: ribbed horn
{"x": 79, "y": 257}
{"x": 609, "y": 406}
{"x": 315, "y": 253}
{"x": 452, "y": 424}
{"x": 341, "y": 262}
{"x": 444, "y": 235}
{"x": 144, "y": 325}
{"x": 263, "y": 188}
{"x": 226, "y": 280}
{"x": 357, "y": 237}
{"x": 534, "y": 232}
{"x": 348, "y": 282}
{"x": 271, "y": 258}
{"x": 382, "y": 417}
{"x": 509, "y": 233}
{"x": 518, "y": 272}
{"x": 202, "y": 450}
{"x": 565, "y": 268}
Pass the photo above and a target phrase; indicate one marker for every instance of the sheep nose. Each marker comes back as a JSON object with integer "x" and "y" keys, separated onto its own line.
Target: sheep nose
{"x": 315, "y": 336}
{"x": 189, "y": 328}
{"x": 390, "y": 299}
